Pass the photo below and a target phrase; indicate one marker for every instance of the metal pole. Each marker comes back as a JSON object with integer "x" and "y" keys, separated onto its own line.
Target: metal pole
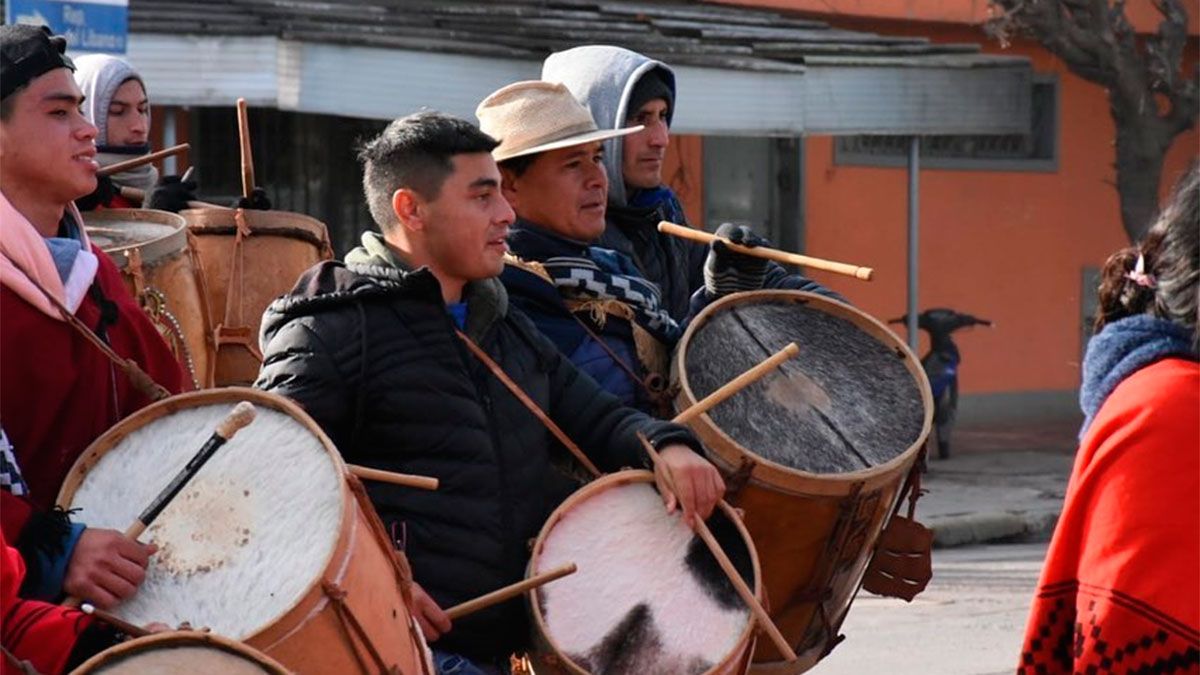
{"x": 169, "y": 165}
{"x": 914, "y": 168}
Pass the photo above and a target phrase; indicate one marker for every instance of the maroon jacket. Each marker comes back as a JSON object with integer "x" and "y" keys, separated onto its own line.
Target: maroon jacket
{"x": 59, "y": 392}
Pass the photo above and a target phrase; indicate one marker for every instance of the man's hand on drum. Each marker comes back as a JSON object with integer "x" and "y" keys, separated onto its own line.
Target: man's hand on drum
{"x": 106, "y": 567}
{"x": 697, "y": 481}
{"x": 433, "y": 621}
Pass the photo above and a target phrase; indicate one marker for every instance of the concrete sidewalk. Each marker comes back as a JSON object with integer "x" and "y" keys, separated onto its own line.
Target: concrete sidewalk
{"x": 999, "y": 484}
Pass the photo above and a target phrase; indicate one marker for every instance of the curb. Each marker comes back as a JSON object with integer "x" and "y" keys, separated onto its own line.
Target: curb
{"x": 994, "y": 526}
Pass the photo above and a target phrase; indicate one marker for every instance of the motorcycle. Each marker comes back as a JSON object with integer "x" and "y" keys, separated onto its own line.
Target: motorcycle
{"x": 941, "y": 365}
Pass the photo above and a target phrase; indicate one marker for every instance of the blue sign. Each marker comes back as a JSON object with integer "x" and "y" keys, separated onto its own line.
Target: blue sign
{"x": 90, "y": 26}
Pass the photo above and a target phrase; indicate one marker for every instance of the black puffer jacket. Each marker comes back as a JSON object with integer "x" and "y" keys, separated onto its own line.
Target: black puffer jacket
{"x": 370, "y": 352}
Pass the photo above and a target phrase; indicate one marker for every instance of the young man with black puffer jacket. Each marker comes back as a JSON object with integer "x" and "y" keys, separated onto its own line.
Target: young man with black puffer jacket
{"x": 369, "y": 348}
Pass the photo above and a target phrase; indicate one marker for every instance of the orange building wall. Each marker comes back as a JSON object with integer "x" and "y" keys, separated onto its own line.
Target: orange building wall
{"x": 1009, "y": 246}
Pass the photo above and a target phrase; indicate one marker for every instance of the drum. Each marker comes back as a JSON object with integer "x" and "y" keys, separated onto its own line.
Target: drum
{"x": 272, "y": 543}
{"x": 152, "y": 251}
{"x": 648, "y": 596}
{"x": 816, "y": 453}
{"x": 250, "y": 258}
{"x": 181, "y": 653}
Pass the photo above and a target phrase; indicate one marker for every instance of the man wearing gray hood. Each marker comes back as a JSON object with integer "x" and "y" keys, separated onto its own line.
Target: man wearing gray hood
{"x": 623, "y": 88}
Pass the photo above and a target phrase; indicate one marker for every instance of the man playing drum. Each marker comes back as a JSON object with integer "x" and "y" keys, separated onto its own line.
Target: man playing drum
{"x": 624, "y": 89}
{"x": 369, "y": 348}
{"x": 58, "y": 391}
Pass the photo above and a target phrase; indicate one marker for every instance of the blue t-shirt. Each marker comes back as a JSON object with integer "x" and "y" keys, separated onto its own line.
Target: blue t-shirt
{"x": 458, "y": 311}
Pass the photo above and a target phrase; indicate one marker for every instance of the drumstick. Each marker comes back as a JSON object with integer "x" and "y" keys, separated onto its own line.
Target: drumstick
{"x": 726, "y": 564}
{"x": 495, "y": 597}
{"x": 405, "y": 479}
{"x": 114, "y": 621}
{"x": 138, "y": 195}
{"x": 144, "y": 159}
{"x": 737, "y": 384}
{"x": 247, "y": 157}
{"x": 684, "y": 232}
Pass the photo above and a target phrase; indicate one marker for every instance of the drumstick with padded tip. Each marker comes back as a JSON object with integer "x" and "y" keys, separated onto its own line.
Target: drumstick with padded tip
{"x": 737, "y": 384}
{"x": 726, "y": 564}
{"x": 144, "y": 159}
{"x": 241, "y": 415}
{"x": 114, "y": 621}
{"x": 511, "y": 591}
{"x": 405, "y": 479}
{"x": 244, "y": 139}
{"x": 685, "y": 232}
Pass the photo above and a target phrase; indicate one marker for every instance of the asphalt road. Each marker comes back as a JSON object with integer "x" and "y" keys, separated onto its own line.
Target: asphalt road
{"x": 969, "y": 621}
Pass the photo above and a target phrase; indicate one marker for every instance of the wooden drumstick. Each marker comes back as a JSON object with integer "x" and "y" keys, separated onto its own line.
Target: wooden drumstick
{"x": 405, "y": 479}
{"x": 144, "y": 159}
{"x": 139, "y": 196}
{"x": 726, "y": 564}
{"x": 737, "y": 384}
{"x": 114, "y": 621}
{"x": 241, "y": 415}
{"x": 684, "y": 232}
{"x": 495, "y": 597}
{"x": 247, "y": 157}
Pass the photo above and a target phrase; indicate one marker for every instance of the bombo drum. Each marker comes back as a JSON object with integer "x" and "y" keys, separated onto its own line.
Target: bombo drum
{"x": 272, "y": 543}
{"x": 152, "y": 251}
{"x": 816, "y": 452}
{"x": 648, "y": 596}
{"x": 250, "y": 258}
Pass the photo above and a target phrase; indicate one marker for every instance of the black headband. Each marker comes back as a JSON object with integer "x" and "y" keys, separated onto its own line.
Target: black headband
{"x": 27, "y": 52}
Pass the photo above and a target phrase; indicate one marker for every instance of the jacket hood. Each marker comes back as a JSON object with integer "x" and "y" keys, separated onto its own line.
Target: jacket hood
{"x": 373, "y": 271}
{"x": 99, "y": 76}
{"x": 602, "y": 78}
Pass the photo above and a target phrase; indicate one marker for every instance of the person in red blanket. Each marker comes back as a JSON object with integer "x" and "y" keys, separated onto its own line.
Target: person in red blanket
{"x": 58, "y": 392}
{"x": 1120, "y": 590}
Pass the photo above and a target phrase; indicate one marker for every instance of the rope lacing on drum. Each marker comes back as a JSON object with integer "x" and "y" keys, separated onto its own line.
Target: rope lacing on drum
{"x": 350, "y": 623}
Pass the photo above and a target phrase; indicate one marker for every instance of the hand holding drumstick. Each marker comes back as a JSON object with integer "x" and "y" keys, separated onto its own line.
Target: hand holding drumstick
{"x": 698, "y": 484}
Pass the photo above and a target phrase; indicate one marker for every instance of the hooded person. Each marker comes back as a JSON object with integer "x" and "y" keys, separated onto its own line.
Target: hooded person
{"x": 622, "y": 88}
{"x": 58, "y": 391}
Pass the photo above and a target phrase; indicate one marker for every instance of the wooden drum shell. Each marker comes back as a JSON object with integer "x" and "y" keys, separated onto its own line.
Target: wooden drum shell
{"x": 110, "y": 660}
{"x": 815, "y": 533}
{"x": 245, "y": 273}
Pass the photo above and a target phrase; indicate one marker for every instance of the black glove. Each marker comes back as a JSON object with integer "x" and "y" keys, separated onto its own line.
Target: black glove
{"x": 256, "y": 200}
{"x": 728, "y": 272}
{"x": 101, "y": 196}
{"x": 172, "y": 194}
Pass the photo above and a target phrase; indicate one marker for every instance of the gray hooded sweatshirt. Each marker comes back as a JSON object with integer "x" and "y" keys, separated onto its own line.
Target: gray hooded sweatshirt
{"x": 602, "y": 77}
{"x": 99, "y": 76}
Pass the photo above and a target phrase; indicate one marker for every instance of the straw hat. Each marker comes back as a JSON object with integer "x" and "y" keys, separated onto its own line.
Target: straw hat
{"x": 535, "y": 116}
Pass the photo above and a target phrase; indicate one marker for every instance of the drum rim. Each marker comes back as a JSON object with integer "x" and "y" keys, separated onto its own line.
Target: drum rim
{"x": 769, "y": 471}
{"x": 183, "y": 638}
{"x": 605, "y": 482}
{"x": 151, "y": 249}
{"x": 218, "y": 221}
{"x": 274, "y": 627}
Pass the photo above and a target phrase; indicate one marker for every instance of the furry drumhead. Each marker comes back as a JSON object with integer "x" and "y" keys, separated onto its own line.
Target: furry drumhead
{"x": 845, "y": 403}
{"x": 241, "y": 543}
{"x": 648, "y": 597}
{"x": 182, "y": 660}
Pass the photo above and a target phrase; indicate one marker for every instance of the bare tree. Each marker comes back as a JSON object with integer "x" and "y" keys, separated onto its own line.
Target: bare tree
{"x": 1151, "y": 97}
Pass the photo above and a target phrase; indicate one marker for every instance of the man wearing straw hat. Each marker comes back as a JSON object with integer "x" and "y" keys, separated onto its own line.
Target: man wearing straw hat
{"x": 401, "y": 355}
{"x": 624, "y": 89}
{"x": 58, "y": 390}
{"x": 593, "y": 303}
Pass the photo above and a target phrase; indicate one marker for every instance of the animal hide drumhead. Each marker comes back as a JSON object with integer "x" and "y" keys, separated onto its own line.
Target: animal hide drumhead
{"x": 182, "y": 660}
{"x": 648, "y": 596}
{"x": 845, "y": 403}
{"x": 242, "y": 542}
